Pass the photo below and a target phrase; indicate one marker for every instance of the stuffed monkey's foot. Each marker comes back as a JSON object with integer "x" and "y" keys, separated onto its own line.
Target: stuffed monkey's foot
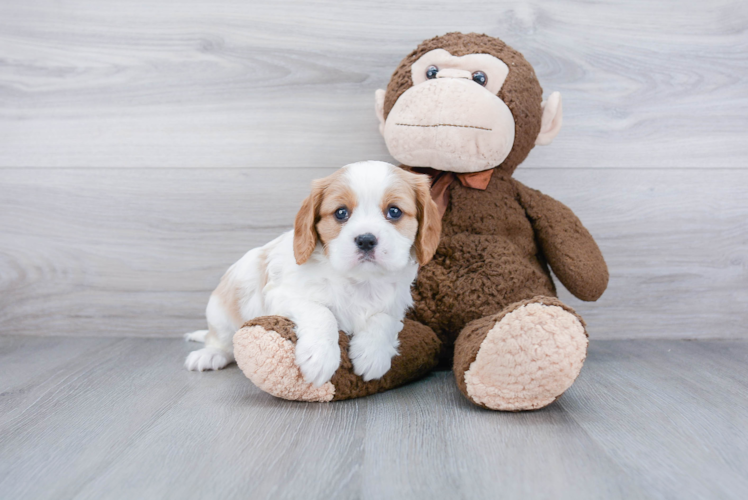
{"x": 265, "y": 347}
{"x": 523, "y": 358}
{"x": 265, "y": 350}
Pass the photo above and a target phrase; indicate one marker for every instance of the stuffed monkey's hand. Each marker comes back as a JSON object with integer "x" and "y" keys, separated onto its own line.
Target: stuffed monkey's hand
{"x": 568, "y": 247}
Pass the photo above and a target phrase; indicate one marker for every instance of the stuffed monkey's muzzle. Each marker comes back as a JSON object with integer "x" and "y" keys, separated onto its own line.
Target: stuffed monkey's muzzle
{"x": 436, "y": 124}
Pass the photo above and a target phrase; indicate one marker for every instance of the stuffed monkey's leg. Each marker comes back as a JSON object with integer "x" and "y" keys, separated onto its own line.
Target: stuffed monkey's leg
{"x": 522, "y": 358}
{"x": 265, "y": 351}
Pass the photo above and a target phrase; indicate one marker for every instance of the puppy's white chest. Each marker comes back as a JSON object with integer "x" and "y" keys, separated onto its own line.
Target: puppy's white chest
{"x": 356, "y": 303}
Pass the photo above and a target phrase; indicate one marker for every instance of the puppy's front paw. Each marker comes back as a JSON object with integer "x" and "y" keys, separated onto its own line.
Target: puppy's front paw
{"x": 317, "y": 359}
{"x": 371, "y": 355}
{"x": 208, "y": 358}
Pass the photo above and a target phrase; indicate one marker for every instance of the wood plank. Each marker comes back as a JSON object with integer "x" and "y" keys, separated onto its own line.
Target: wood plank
{"x": 646, "y": 419}
{"x": 668, "y": 413}
{"x": 290, "y": 83}
{"x": 78, "y": 426}
{"x": 428, "y": 441}
{"x": 137, "y": 252}
{"x": 32, "y": 366}
{"x": 114, "y": 424}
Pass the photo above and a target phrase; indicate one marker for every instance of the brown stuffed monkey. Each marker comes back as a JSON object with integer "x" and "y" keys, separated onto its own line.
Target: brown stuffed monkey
{"x": 466, "y": 110}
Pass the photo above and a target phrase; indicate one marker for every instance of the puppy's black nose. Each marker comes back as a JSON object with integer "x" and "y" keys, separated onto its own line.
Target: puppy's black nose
{"x": 365, "y": 241}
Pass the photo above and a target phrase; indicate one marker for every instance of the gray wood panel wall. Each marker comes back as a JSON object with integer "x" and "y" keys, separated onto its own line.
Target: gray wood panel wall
{"x": 146, "y": 145}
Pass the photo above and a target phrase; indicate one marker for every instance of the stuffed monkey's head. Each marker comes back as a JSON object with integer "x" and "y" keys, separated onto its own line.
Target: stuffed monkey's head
{"x": 465, "y": 103}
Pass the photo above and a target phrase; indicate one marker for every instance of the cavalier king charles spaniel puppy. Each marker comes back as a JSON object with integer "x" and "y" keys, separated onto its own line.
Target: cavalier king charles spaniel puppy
{"x": 347, "y": 265}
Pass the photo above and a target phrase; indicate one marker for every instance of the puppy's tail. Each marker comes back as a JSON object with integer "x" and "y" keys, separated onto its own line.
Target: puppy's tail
{"x": 198, "y": 336}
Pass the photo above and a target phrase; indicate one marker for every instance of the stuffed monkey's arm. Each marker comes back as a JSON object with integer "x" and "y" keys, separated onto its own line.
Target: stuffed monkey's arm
{"x": 567, "y": 245}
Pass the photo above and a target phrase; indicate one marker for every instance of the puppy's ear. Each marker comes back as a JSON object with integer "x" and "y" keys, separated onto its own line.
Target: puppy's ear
{"x": 304, "y": 231}
{"x": 429, "y": 220}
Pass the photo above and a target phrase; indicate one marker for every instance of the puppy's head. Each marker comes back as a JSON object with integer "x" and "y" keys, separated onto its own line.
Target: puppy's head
{"x": 369, "y": 216}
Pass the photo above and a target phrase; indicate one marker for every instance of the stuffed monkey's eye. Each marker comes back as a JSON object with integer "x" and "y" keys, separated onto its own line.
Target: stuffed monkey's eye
{"x": 480, "y": 78}
{"x": 394, "y": 213}
{"x": 431, "y": 72}
{"x": 341, "y": 214}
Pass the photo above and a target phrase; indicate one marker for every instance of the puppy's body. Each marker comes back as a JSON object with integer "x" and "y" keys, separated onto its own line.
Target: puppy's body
{"x": 331, "y": 273}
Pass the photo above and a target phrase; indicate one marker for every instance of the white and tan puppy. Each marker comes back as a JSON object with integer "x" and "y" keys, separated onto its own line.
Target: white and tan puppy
{"x": 348, "y": 265}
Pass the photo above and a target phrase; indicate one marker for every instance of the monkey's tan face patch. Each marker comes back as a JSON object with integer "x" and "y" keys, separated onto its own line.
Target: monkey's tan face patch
{"x": 337, "y": 195}
{"x": 492, "y": 67}
{"x": 450, "y": 122}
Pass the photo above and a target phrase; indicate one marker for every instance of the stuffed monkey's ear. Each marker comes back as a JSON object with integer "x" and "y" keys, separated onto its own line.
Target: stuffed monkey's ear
{"x": 429, "y": 220}
{"x": 304, "y": 231}
{"x": 379, "y": 108}
{"x": 551, "y": 121}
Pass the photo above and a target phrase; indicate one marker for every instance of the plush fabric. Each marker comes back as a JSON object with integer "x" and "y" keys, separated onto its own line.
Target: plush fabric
{"x": 495, "y": 69}
{"x": 442, "y": 181}
{"x": 487, "y": 294}
{"x": 271, "y": 365}
{"x": 521, "y": 90}
{"x": 565, "y": 243}
{"x": 264, "y": 350}
{"x": 491, "y": 255}
{"x": 460, "y": 113}
{"x": 523, "y": 358}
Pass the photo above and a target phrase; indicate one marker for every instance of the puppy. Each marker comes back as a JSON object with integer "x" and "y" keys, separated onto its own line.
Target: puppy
{"x": 348, "y": 265}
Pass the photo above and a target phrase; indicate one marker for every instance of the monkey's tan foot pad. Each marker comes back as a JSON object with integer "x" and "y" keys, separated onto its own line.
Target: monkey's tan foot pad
{"x": 523, "y": 358}
{"x": 265, "y": 348}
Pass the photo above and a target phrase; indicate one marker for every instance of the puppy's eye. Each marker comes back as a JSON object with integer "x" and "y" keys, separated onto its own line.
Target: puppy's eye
{"x": 431, "y": 72}
{"x": 341, "y": 214}
{"x": 394, "y": 213}
{"x": 480, "y": 78}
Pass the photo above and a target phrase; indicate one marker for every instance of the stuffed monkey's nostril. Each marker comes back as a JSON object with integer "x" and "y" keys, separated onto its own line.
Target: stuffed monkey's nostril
{"x": 366, "y": 241}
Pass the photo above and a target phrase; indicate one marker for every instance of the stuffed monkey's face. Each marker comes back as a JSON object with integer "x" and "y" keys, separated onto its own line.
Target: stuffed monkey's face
{"x": 452, "y": 115}
{"x": 452, "y": 118}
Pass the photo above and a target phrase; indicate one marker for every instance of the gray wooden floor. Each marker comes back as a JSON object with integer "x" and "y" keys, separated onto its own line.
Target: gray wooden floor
{"x": 119, "y": 418}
